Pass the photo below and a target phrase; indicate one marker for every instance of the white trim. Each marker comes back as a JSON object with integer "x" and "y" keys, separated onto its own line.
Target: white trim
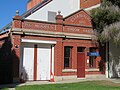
{"x": 69, "y": 70}
{"x": 38, "y": 41}
{"x": 98, "y": 5}
{"x": 53, "y": 59}
{"x": 92, "y": 69}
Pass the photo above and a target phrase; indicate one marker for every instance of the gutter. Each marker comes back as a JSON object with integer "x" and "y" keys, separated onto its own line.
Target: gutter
{"x": 4, "y": 35}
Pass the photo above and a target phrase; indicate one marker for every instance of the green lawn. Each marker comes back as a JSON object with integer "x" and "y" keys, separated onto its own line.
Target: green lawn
{"x": 91, "y": 85}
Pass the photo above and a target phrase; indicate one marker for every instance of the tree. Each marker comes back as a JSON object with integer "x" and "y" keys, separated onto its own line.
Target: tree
{"x": 106, "y": 19}
{"x": 112, "y": 32}
{"x": 106, "y": 22}
{"x": 114, "y": 2}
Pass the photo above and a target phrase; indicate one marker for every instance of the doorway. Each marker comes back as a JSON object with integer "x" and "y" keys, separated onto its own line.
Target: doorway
{"x": 80, "y": 62}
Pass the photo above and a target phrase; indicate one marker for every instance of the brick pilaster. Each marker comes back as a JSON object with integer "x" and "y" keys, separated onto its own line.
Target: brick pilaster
{"x": 59, "y": 21}
{"x": 17, "y": 22}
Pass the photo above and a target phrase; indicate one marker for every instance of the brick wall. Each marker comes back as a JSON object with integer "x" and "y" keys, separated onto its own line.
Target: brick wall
{"x": 89, "y": 3}
{"x": 59, "y": 52}
{"x": 16, "y": 54}
{"x": 83, "y": 3}
{"x": 72, "y": 22}
{"x": 32, "y": 3}
{"x": 79, "y": 18}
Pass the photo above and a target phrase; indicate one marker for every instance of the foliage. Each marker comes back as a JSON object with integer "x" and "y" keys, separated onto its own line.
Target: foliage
{"x": 114, "y": 2}
{"x": 103, "y": 16}
{"x": 112, "y": 32}
{"x": 104, "y": 19}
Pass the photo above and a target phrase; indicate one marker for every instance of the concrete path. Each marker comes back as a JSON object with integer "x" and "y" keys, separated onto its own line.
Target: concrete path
{"x": 115, "y": 80}
{"x": 11, "y": 88}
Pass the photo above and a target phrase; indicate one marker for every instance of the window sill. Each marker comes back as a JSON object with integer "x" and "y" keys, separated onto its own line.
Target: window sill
{"x": 92, "y": 69}
{"x": 69, "y": 70}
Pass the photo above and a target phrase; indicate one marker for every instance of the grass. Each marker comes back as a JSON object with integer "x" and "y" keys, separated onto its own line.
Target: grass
{"x": 4, "y": 89}
{"x": 88, "y": 85}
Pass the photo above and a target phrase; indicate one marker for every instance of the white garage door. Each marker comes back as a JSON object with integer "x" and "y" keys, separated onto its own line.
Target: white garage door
{"x": 28, "y": 61}
{"x": 43, "y": 62}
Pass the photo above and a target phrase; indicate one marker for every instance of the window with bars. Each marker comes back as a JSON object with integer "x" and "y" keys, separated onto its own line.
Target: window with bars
{"x": 92, "y": 60}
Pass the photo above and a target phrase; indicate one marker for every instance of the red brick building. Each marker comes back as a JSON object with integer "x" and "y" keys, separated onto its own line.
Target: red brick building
{"x": 58, "y": 50}
{"x": 89, "y": 3}
{"x": 83, "y": 3}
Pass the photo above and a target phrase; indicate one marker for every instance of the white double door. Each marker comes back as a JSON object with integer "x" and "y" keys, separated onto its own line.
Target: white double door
{"x": 43, "y": 61}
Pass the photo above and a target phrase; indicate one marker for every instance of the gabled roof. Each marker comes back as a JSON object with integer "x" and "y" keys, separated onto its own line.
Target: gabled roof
{"x": 77, "y": 12}
{"x": 27, "y": 13}
{"x": 79, "y": 18}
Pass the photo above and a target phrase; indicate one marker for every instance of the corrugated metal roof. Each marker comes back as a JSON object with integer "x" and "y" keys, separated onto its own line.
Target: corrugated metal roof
{"x": 5, "y": 28}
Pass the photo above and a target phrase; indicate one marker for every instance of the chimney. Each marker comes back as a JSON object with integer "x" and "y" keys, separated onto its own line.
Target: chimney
{"x": 32, "y": 3}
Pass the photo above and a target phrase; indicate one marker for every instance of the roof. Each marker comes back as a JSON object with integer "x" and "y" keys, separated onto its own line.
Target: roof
{"x": 35, "y": 8}
{"x": 26, "y": 14}
{"x": 5, "y": 28}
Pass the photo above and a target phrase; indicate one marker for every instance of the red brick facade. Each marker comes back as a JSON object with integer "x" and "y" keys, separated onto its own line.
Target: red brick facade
{"x": 74, "y": 31}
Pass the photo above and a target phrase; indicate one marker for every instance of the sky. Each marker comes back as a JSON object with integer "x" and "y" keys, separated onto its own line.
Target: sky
{"x": 8, "y": 10}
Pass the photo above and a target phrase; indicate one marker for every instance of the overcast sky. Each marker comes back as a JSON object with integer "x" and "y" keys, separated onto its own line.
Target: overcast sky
{"x": 8, "y": 8}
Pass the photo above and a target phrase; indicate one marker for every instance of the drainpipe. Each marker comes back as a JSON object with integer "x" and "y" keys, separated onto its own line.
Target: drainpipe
{"x": 107, "y": 59}
{"x": 4, "y": 35}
